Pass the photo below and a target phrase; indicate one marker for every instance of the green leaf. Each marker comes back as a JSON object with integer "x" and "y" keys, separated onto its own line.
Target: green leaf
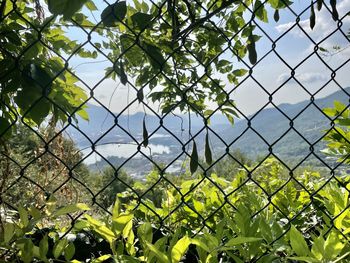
{"x": 31, "y": 100}
{"x": 208, "y": 155}
{"x": 43, "y": 247}
{"x": 116, "y": 207}
{"x": 155, "y": 56}
{"x": 37, "y": 75}
{"x": 241, "y": 240}
{"x": 260, "y": 11}
{"x": 317, "y": 249}
{"x": 23, "y": 214}
{"x": 312, "y": 16}
{"x": 180, "y": 248}
{"x": 194, "y": 158}
{"x": 162, "y": 258}
{"x": 201, "y": 244}
{"x": 305, "y": 259}
{"x": 298, "y": 243}
{"x": 69, "y": 252}
{"x": 91, "y": 6}
{"x": 59, "y": 247}
{"x": 9, "y": 231}
{"x": 343, "y": 122}
{"x": 71, "y": 209}
{"x": 114, "y": 13}
{"x": 101, "y": 229}
{"x": 141, "y": 20}
{"x": 120, "y": 222}
{"x": 278, "y": 4}
{"x": 144, "y": 232}
{"x": 145, "y": 134}
{"x": 101, "y": 259}
{"x": 240, "y": 72}
{"x": 67, "y": 8}
{"x": 333, "y": 246}
{"x": 27, "y": 251}
{"x": 319, "y": 4}
{"x": 83, "y": 114}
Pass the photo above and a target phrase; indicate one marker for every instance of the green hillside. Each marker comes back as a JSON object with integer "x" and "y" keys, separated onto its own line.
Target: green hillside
{"x": 290, "y": 130}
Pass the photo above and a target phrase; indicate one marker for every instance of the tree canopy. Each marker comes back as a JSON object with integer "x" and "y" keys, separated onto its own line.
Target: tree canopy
{"x": 176, "y": 49}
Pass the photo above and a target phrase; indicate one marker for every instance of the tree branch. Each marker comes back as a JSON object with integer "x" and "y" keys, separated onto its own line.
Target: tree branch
{"x": 203, "y": 19}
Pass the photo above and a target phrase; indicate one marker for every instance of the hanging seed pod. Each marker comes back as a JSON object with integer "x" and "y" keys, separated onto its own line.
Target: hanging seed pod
{"x": 208, "y": 155}
{"x": 312, "y": 17}
{"x": 123, "y": 77}
{"x": 145, "y": 133}
{"x": 335, "y": 14}
{"x": 194, "y": 159}
{"x": 276, "y": 15}
{"x": 252, "y": 50}
{"x": 140, "y": 95}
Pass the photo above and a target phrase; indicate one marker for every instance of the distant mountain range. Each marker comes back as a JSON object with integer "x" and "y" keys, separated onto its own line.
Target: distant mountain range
{"x": 288, "y": 131}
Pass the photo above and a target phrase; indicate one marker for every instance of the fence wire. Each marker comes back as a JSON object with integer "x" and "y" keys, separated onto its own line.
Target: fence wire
{"x": 55, "y": 170}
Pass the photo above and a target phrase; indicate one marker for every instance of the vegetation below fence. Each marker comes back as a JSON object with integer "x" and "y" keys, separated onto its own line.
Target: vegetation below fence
{"x": 259, "y": 212}
{"x": 268, "y": 217}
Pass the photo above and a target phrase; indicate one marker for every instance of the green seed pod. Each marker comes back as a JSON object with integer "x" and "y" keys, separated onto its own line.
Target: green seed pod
{"x": 194, "y": 159}
{"x": 276, "y": 15}
{"x": 145, "y": 134}
{"x": 335, "y": 14}
{"x": 253, "y": 56}
{"x": 208, "y": 155}
{"x": 312, "y": 17}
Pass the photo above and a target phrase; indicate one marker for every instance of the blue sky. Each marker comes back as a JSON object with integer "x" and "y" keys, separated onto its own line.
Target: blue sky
{"x": 270, "y": 72}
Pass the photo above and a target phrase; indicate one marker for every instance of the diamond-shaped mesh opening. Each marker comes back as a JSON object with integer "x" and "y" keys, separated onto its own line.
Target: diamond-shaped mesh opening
{"x": 258, "y": 144}
{"x": 301, "y": 150}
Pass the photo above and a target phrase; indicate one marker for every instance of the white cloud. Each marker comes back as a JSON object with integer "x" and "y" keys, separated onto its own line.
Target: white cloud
{"x": 304, "y": 78}
{"x": 282, "y": 78}
{"x": 324, "y": 23}
{"x": 307, "y": 78}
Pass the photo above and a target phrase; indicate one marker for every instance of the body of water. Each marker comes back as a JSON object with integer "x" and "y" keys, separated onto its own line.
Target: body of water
{"x": 122, "y": 150}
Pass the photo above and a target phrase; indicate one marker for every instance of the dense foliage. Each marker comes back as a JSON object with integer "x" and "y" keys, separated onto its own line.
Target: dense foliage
{"x": 200, "y": 220}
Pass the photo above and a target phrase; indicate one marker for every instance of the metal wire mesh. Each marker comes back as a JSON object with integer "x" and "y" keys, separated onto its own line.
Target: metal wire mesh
{"x": 68, "y": 179}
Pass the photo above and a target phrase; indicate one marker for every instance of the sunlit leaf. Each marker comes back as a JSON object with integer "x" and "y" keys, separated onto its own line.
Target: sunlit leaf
{"x": 180, "y": 248}
{"x": 298, "y": 243}
{"x": 71, "y": 209}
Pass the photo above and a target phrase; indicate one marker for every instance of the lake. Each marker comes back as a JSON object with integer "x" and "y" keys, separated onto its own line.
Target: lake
{"x": 122, "y": 150}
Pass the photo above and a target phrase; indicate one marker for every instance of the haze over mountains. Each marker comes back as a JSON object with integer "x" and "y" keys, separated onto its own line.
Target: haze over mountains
{"x": 289, "y": 141}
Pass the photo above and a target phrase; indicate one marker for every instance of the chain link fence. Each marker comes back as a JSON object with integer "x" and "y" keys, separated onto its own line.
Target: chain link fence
{"x": 74, "y": 159}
